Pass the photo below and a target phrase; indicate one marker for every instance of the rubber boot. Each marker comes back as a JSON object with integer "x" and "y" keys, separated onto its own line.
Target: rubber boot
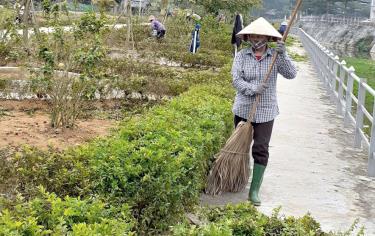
{"x": 256, "y": 182}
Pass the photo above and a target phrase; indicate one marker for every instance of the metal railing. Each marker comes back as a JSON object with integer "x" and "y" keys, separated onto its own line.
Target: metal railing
{"x": 337, "y": 19}
{"x": 348, "y": 92}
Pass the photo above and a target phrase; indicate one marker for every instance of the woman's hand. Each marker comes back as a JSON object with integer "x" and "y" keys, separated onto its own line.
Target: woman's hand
{"x": 280, "y": 47}
{"x": 260, "y": 88}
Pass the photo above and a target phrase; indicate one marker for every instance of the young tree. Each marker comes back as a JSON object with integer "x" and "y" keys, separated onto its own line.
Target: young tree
{"x": 214, "y": 6}
{"x": 61, "y": 52}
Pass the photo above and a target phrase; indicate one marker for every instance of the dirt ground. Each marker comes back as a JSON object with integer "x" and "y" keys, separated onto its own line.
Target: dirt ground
{"x": 27, "y": 122}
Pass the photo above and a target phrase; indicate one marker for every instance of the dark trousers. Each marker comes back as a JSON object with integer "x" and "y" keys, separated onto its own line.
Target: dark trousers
{"x": 160, "y": 34}
{"x": 261, "y": 139}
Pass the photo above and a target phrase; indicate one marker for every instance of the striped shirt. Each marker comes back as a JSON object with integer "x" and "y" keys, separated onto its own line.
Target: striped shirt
{"x": 248, "y": 73}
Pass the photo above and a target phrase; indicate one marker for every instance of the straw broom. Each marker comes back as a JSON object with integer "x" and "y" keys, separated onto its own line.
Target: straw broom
{"x": 231, "y": 169}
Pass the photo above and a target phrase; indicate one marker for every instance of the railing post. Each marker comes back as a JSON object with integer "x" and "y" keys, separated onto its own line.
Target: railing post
{"x": 329, "y": 68}
{"x": 340, "y": 91}
{"x": 371, "y": 154}
{"x": 348, "y": 96}
{"x": 334, "y": 76}
{"x": 371, "y": 164}
{"x": 359, "y": 116}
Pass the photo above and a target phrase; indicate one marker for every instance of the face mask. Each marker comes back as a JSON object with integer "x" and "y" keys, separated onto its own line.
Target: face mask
{"x": 258, "y": 44}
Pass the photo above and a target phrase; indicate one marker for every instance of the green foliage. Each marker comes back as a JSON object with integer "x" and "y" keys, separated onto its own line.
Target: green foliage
{"x": 60, "y": 52}
{"x": 297, "y": 57}
{"x": 216, "y": 36}
{"x": 63, "y": 173}
{"x": 130, "y": 76}
{"x": 364, "y": 68}
{"x": 215, "y": 39}
{"x": 244, "y": 219}
{"x": 364, "y": 45}
{"x": 214, "y": 6}
{"x": 9, "y": 38}
{"x": 48, "y": 214}
{"x": 156, "y": 164}
{"x": 178, "y": 28}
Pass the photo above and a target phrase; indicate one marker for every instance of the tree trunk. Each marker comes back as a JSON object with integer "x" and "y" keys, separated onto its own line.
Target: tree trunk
{"x": 34, "y": 23}
{"x": 25, "y": 19}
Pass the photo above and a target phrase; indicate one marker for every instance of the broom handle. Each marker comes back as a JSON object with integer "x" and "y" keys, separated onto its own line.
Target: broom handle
{"x": 274, "y": 57}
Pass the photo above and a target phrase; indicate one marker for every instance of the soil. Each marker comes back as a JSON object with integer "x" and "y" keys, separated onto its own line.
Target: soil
{"x": 27, "y": 122}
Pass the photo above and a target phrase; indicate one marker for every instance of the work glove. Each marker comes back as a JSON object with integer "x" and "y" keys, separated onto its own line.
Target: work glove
{"x": 280, "y": 47}
{"x": 260, "y": 88}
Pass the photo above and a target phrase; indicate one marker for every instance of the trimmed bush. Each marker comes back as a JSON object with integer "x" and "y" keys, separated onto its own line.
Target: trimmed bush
{"x": 245, "y": 219}
{"x": 157, "y": 163}
{"x": 48, "y": 214}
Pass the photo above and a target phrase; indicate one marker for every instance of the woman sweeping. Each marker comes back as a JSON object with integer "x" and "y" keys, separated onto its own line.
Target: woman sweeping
{"x": 249, "y": 69}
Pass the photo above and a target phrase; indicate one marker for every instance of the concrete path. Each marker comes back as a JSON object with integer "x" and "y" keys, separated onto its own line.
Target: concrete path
{"x": 313, "y": 167}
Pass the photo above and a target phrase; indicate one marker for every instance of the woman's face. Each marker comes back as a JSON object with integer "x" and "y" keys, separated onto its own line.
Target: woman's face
{"x": 258, "y": 42}
{"x": 257, "y": 38}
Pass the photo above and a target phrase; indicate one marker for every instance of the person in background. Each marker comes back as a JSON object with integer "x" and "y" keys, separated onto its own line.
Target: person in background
{"x": 158, "y": 28}
{"x": 283, "y": 27}
{"x": 195, "y": 40}
{"x": 237, "y": 27}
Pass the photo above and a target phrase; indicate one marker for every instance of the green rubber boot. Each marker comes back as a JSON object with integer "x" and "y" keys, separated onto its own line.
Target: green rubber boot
{"x": 258, "y": 173}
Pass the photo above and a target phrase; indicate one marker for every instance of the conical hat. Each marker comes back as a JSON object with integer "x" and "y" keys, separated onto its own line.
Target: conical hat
{"x": 261, "y": 27}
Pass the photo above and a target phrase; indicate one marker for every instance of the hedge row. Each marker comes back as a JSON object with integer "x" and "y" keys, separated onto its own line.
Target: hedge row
{"x": 131, "y": 76}
{"x": 245, "y": 219}
{"x": 48, "y": 214}
{"x": 155, "y": 163}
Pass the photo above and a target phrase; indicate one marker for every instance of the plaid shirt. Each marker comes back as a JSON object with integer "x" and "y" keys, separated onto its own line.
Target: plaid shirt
{"x": 248, "y": 72}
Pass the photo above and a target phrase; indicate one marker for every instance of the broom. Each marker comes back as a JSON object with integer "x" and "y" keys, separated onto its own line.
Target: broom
{"x": 230, "y": 171}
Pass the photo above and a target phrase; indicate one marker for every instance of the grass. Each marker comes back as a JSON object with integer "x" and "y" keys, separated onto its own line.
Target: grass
{"x": 364, "y": 68}
{"x": 297, "y": 57}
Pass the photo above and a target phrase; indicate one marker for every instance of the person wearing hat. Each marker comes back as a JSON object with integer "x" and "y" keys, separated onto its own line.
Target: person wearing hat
{"x": 283, "y": 27}
{"x": 249, "y": 69}
{"x": 195, "y": 39}
{"x": 157, "y": 27}
{"x": 193, "y": 17}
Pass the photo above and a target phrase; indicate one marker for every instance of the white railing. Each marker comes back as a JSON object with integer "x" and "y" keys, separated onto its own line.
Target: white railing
{"x": 343, "y": 86}
{"x": 339, "y": 20}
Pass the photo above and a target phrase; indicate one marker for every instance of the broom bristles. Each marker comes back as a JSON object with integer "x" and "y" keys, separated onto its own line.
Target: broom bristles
{"x": 230, "y": 171}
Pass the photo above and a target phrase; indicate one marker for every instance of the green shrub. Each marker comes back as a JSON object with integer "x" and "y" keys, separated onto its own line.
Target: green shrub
{"x": 158, "y": 163}
{"x": 244, "y": 219}
{"x": 130, "y": 76}
{"x": 215, "y": 39}
{"x": 48, "y": 214}
{"x": 64, "y": 173}
{"x": 363, "y": 46}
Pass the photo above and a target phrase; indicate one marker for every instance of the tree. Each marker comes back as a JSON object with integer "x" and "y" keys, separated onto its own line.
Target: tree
{"x": 214, "y": 6}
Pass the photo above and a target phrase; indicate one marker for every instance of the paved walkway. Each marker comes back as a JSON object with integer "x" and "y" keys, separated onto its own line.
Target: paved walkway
{"x": 313, "y": 167}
